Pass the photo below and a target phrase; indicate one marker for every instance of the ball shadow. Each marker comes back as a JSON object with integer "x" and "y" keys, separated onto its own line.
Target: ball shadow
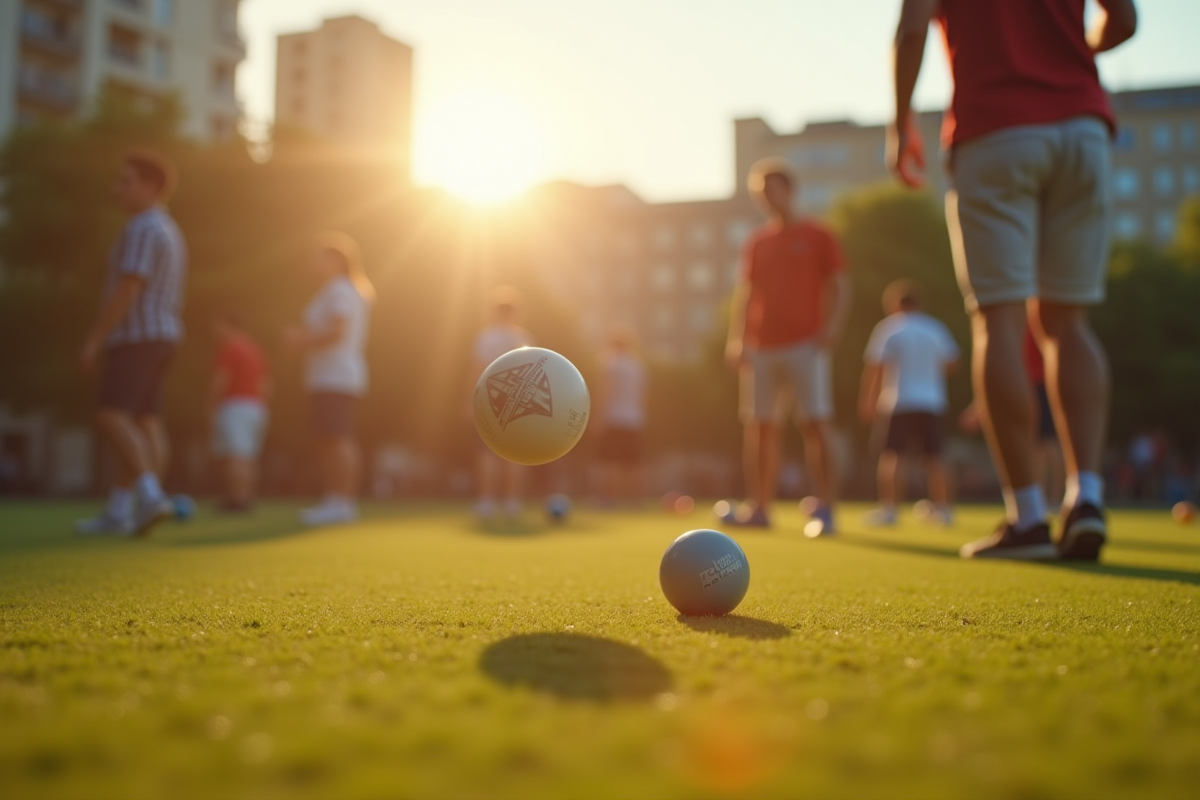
{"x": 575, "y": 667}
{"x": 737, "y": 626}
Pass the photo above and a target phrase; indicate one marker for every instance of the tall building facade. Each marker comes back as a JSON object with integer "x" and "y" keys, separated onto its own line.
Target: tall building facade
{"x": 57, "y": 55}
{"x": 348, "y": 83}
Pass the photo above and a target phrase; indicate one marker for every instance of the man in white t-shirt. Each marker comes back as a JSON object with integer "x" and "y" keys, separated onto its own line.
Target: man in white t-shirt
{"x": 904, "y": 387}
{"x": 499, "y": 478}
{"x": 621, "y": 418}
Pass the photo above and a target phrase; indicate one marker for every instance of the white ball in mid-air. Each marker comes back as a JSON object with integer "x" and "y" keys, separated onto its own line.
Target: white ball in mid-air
{"x": 531, "y": 406}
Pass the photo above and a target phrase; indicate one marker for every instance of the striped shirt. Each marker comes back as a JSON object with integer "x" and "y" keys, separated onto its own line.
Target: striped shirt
{"x": 151, "y": 248}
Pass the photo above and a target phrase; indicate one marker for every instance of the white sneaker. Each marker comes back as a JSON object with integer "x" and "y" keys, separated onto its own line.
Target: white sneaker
{"x": 104, "y": 524}
{"x": 882, "y": 517}
{"x": 331, "y": 511}
{"x": 149, "y": 512}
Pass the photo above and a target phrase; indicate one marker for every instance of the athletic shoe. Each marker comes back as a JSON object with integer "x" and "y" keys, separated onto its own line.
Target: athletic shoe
{"x": 821, "y": 523}
{"x": 1029, "y": 545}
{"x": 1084, "y": 533}
{"x": 882, "y": 517}
{"x": 940, "y": 516}
{"x": 149, "y": 513}
{"x": 746, "y": 516}
{"x": 331, "y": 511}
{"x": 104, "y": 524}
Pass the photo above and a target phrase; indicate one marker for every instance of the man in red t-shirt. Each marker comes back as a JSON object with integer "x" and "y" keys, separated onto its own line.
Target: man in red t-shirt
{"x": 788, "y": 309}
{"x": 1027, "y": 135}
{"x": 240, "y": 387}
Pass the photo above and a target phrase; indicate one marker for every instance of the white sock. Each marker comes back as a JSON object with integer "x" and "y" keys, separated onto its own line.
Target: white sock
{"x": 1026, "y": 507}
{"x": 1086, "y": 487}
{"x": 148, "y": 487}
{"x": 120, "y": 503}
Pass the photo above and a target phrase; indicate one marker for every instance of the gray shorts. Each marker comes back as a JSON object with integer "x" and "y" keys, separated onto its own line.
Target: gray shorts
{"x": 773, "y": 376}
{"x": 1029, "y": 213}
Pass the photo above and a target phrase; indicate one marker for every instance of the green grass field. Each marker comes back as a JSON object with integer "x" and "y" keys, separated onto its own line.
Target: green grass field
{"x": 418, "y": 655}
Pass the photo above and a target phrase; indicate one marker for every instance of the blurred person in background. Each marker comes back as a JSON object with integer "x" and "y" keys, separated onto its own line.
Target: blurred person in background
{"x": 788, "y": 311}
{"x": 135, "y": 335}
{"x": 333, "y": 339}
{"x": 621, "y": 419}
{"x": 501, "y": 483}
{"x": 1028, "y": 139}
{"x": 238, "y": 394}
{"x": 904, "y": 390}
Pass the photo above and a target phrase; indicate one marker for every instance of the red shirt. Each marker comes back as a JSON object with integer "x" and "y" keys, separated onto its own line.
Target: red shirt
{"x": 1018, "y": 62}
{"x": 242, "y": 362}
{"x": 788, "y": 269}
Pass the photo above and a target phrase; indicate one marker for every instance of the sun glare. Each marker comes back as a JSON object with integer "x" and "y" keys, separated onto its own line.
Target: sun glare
{"x": 479, "y": 145}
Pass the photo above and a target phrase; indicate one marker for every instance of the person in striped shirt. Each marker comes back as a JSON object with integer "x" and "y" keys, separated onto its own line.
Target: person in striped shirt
{"x": 134, "y": 337}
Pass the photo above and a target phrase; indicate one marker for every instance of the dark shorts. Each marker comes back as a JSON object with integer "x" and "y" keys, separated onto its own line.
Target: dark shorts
{"x": 332, "y": 414}
{"x": 1045, "y": 417}
{"x": 914, "y": 428}
{"x": 132, "y": 377}
{"x": 621, "y": 446}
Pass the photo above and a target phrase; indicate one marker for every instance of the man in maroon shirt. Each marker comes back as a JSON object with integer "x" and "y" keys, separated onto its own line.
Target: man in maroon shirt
{"x": 1027, "y": 136}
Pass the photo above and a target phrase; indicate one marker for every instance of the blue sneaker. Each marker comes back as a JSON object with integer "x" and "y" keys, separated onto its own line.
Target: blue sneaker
{"x": 744, "y": 515}
{"x": 821, "y": 523}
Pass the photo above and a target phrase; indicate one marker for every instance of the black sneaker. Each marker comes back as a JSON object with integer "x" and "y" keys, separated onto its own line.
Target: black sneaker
{"x": 1029, "y": 545}
{"x": 1084, "y": 532}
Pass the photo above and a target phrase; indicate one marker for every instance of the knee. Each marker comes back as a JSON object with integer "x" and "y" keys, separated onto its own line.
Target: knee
{"x": 1053, "y": 321}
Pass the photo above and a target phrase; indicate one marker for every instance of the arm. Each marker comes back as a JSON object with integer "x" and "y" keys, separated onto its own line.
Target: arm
{"x": 301, "y": 338}
{"x": 837, "y": 306}
{"x": 114, "y": 310}
{"x": 869, "y": 387}
{"x": 1115, "y": 24}
{"x": 905, "y": 150}
{"x": 735, "y": 349}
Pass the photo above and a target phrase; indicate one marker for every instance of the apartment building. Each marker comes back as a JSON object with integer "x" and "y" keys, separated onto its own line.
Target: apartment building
{"x": 349, "y": 83}
{"x": 57, "y": 55}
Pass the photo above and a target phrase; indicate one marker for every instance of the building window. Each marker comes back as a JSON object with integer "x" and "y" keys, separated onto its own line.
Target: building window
{"x": 1164, "y": 182}
{"x": 1127, "y": 226}
{"x": 124, "y": 46}
{"x": 1126, "y": 184}
{"x": 1125, "y": 140}
{"x": 1189, "y": 179}
{"x": 700, "y": 235}
{"x": 663, "y": 277}
{"x": 1161, "y": 136}
{"x": 702, "y": 318}
{"x": 664, "y": 237}
{"x": 700, "y": 276}
{"x": 1189, "y": 136}
{"x": 163, "y": 13}
{"x": 1164, "y": 225}
{"x": 737, "y": 231}
{"x": 160, "y": 61}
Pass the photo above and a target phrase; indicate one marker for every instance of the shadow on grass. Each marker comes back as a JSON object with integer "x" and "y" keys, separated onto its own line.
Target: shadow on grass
{"x": 736, "y": 625}
{"x": 248, "y": 531}
{"x": 1111, "y": 570}
{"x": 1156, "y": 547}
{"x": 517, "y": 529}
{"x": 575, "y": 667}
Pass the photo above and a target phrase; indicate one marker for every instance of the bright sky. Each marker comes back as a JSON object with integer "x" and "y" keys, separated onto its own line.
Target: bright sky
{"x": 643, "y": 92}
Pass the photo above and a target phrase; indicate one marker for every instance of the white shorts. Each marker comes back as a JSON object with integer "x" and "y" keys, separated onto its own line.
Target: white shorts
{"x": 1029, "y": 213}
{"x": 773, "y": 376}
{"x": 238, "y": 429}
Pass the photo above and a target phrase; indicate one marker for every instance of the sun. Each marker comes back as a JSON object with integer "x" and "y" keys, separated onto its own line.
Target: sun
{"x": 480, "y": 145}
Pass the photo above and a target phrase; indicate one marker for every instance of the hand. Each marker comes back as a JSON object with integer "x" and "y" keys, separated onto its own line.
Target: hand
{"x": 968, "y": 420}
{"x": 906, "y": 154}
{"x": 294, "y": 337}
{"x": 89, "y": 353}
{"x": 735, "y": 353}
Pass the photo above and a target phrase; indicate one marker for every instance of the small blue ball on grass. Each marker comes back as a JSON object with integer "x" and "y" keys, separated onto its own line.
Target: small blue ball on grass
{"x": 704, "y": 573}
{"x": 185, "y": 507}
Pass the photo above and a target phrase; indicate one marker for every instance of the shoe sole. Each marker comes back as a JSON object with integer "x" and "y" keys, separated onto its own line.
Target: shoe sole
{"x": 1031, "y": 552}
{"x": 1083, "y": 541}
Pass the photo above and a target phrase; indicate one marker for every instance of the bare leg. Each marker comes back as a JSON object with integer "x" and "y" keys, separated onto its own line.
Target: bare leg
{"x": 241, "y": 477}
{"x": 1003, "y": 392}
{"x": 760, "y": 454}
{"x": 1077, "y": 380}
{"x": 133, "y": 450}
{"x": 889, "y": 494}
{"x": 155, "y": 434}
{"x": 939, "y": 489}
{"x": 818, "y": 455}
